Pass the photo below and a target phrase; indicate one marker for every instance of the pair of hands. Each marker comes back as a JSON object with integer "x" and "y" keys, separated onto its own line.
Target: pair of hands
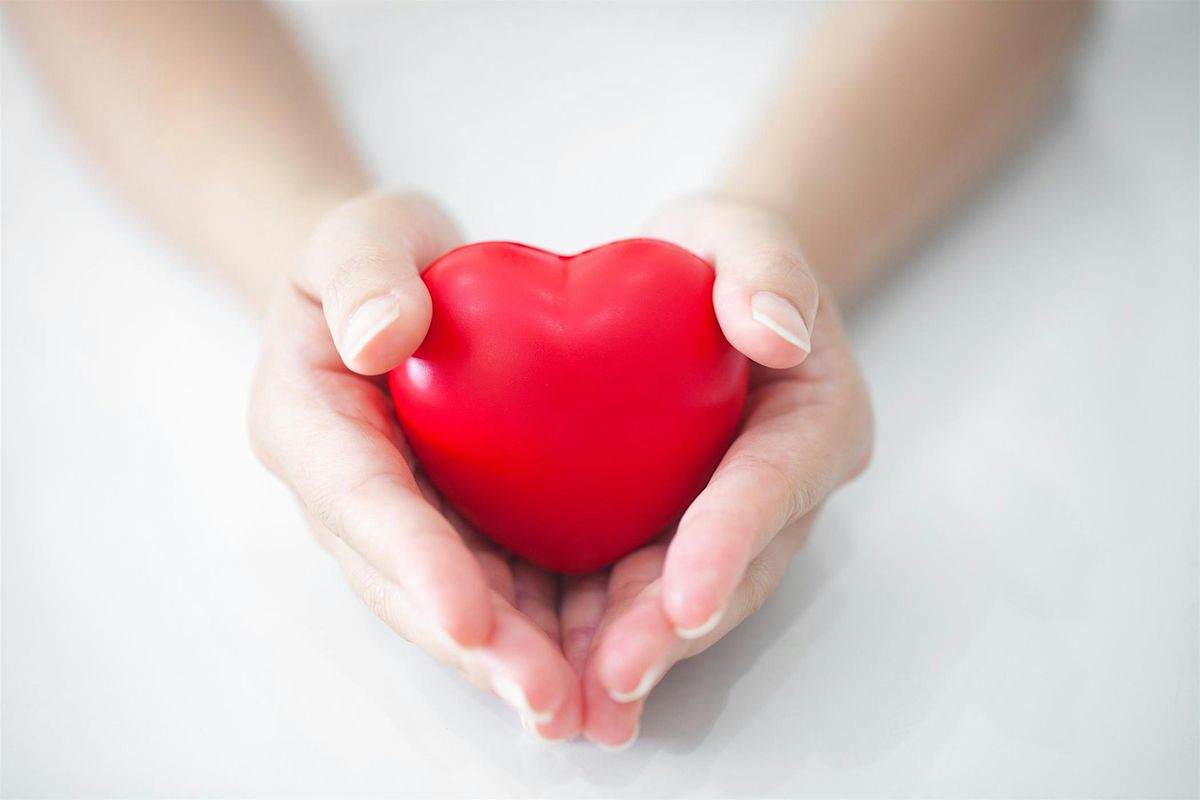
{"x": 572, "y": 655}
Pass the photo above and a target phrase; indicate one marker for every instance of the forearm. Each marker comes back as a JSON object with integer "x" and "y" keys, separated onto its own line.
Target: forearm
{"x": 894, "y": 113}
{"x": 205, "y": 116}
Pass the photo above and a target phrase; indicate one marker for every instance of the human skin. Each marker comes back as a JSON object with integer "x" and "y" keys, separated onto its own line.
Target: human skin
{"x": 893, "y": 114}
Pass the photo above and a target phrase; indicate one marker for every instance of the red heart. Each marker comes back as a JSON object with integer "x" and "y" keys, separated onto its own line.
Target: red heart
{"x": 570, "y": 407}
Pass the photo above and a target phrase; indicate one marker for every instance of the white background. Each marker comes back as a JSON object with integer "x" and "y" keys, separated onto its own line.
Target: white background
{"x": 1006, "y": 604}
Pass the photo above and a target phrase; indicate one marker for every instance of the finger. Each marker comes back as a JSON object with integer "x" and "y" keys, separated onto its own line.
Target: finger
{"x": 784, "y": 463}
{"x": 536, "y": 596}
{"x": 805, "y": 432}
{"x": 580, "y": 612}
{"x": 611, "y": 725}
{"x": 519, "y": 664}
{"x": 394, "y": 606}
{"x": 332, "y": 437}
{"x": 529, "y": 672}
{"x": 612, "y": 712}
{"x": 394, "y": 529}
{"x": 633, "y": 578}
{"x": 637, "y": 649}
{"x": 639, "y": 646}
{"x": 492, "y": 560}
{"x": 765, "y": 295}
{"x": 364, "y": 266}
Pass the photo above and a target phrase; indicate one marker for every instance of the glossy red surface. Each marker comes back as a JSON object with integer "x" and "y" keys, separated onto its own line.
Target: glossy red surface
{"x": 570, "y": 407}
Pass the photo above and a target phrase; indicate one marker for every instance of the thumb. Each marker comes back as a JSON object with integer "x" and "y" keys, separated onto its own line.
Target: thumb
{"x": 364, "y": 265}
{"x": 765, "y": 296}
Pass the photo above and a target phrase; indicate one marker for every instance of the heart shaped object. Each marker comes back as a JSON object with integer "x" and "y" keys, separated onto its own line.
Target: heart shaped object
{"x": 570, "y": 407}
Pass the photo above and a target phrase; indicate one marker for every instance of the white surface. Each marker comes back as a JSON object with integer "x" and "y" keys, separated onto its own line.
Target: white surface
{"x": 1005, "y": 605}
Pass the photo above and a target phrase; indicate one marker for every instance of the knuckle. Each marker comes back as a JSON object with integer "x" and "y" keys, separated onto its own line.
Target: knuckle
{"x": 376, "y": 595}
{"x": 785, "y": 271}
{"x": 335, "y": 509}
{"x": 805, "y": 283}
{"x": 321, "y": 535}
{"x": 797, "y": 495}
{"x": 354, "y": 274}
{"x": 761, "y": 580}
{"x": 779, "y": 264}
{"x": 805, "y": 496}
{"x": 324, "y": 507}
{"x": 757, "y": 585}
{"x": 319, "y": 513}
{"x": 351, "y": 515}
{"x": 784, "y": 268}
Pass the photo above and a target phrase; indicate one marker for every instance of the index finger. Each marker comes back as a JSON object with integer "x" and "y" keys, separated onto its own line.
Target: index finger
{"x": 331, "y": 436}
{"x": 802, "y": 437}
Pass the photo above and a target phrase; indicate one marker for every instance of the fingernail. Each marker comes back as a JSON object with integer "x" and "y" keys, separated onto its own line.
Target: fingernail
{"x": 447, "y": 641}
{"x": 704, "y": 629}
{"x": 531, "y": 726}
{"x": 625, "y": 745}
{"x": 508, "y": 691}
{"x": 641, "y": 690}
{"x": 368, "y": 321}
{"x": 771, "y": 310}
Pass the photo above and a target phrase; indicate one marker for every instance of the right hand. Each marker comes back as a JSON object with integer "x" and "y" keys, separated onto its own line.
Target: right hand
{"x": 321, "y": 419}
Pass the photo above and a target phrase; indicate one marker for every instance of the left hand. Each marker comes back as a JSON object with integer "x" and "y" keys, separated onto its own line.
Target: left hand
{"x": 320, "y": 419}
{"x": 807, "y": 430}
